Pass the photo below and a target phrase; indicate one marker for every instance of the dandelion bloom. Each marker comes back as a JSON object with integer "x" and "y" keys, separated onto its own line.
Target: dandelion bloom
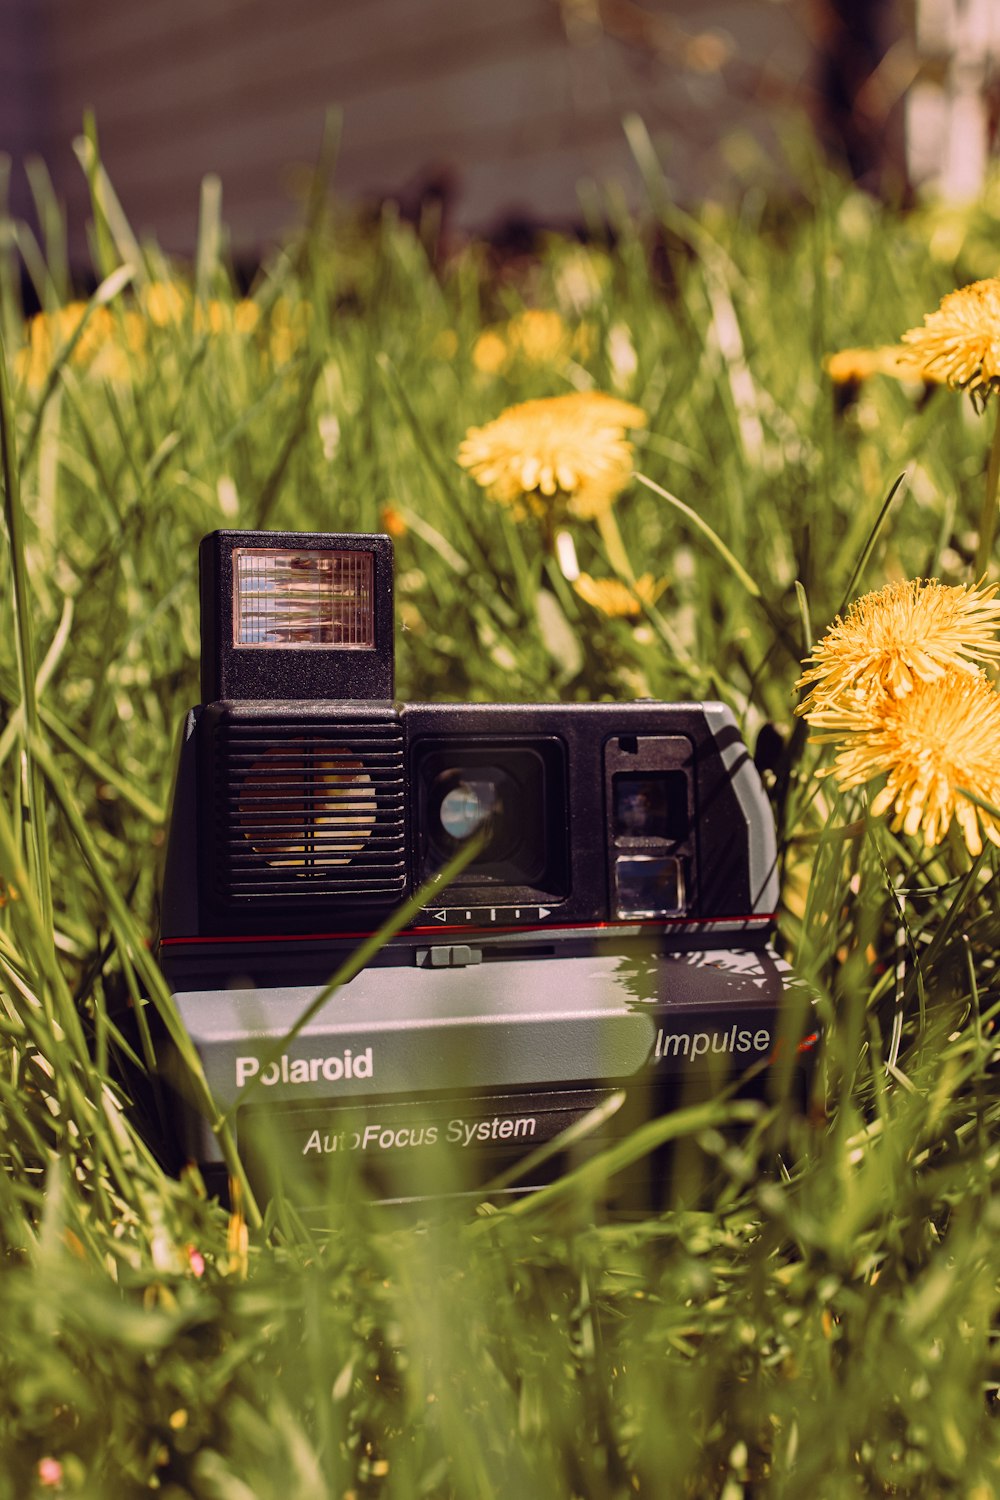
{"x": 164, "y": 302}
{"x": 911, "y": 631}
{"x": 537, "y": 336}
{"x": 566, "y": 452}
{"x": 540, "y": 336}
{"x": 935, "y": 743}
{"x": 852, "y": 366}
{"x": 218, "y": 317}
{"x": 960, "y": 342}
{"x": 489, "y": 352}
{"x": 611, "y": 597}
{"x": 95, "y": 351}
{"x": 246, "y": 315}
{"x": 288, "y": 329}
{"x": 392, "y": 520}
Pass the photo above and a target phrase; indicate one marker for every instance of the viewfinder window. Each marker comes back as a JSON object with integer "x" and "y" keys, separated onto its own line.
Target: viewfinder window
{"x": 650, "y": 805}
{"x": 303, "y": 600}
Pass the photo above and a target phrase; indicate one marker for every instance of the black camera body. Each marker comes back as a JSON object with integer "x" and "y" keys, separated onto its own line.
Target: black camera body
{"x": 609, "y": 937}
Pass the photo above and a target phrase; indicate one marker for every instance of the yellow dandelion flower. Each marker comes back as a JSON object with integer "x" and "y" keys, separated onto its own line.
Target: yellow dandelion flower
{"x": 538, "y": 336}
{"x": 283, "y": 345}
{"x": 289, "y": 328}
{"x": 95, "y": 350}
{"x": 960, "y": 342}
{"x": 933, "y": 744}
{"x": 112, "y": 363}
{"x": 97, "y": 333}
{"x": 911, "y": 631}
{"x": 584, "y": 341}
{"x": 133, "y": 326}
{"x": 489, "y": 352}
{"x": 615, "y": 599}
{"x": 164, "y": 302}
{"x": 33, "y": 360}
{"x": 216, "y": 317}
{"x": 601, "y": 407}
{"x": 246, "y": 316}
{"x": 392, "y": 520}
{"x": 567, "y": 452}
{"x": 213, "y": 316}
{"x": 851, "y": 366}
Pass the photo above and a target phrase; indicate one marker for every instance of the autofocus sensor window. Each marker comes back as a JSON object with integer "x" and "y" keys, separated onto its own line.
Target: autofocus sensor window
{"x": 648, "y": 886}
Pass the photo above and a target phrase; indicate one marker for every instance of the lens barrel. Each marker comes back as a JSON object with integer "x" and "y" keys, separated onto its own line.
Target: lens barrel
{"x": 510, "y": 794}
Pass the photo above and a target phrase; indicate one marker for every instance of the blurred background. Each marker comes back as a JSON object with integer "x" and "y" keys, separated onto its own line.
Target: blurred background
{"x": 493, "y": 114}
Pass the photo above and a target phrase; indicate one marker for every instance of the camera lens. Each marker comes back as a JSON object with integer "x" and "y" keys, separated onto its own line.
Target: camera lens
{"x": 466, "y": 799}
{"x": 509, "y": 794}
{"x": 467, "y": 807}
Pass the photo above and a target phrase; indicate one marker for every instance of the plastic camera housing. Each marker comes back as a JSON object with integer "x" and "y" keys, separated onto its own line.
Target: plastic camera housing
{"x": 611, "y": 934}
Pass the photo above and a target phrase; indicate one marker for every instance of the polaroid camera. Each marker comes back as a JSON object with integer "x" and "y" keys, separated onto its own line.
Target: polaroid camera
{"x": 602, "y": 957}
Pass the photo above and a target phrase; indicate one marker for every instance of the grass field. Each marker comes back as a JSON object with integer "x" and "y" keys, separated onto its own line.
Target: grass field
{"x": 814, "y": 1315}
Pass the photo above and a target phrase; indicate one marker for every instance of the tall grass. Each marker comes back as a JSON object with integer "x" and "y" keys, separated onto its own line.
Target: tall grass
{"x": 814, "y": 1311}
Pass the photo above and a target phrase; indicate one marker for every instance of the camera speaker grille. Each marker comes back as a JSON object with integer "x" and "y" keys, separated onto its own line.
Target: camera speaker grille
{"x": 309, "y": 811}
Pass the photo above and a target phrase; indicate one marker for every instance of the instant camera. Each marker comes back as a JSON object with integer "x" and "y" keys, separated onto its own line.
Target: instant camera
{"x": 602, "y": 957}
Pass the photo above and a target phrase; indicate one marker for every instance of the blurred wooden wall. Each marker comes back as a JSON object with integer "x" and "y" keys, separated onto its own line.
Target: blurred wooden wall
{"x": 21, "y": 96}
{"x": 501, "y": 105}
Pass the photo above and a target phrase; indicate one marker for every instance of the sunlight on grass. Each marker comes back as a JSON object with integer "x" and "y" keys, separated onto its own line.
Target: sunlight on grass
{"x": 814, "y": 1312}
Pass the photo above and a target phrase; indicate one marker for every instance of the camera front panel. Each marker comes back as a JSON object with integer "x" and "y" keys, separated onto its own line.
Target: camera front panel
{"x": 308, "y": 803}
{"x": 613, "y": 817}
{"x": 589, "y": 812}
{"x": 320, "y": 818}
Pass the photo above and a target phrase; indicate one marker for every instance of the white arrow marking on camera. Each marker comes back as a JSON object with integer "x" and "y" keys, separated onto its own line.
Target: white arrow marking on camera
{"x": 440, "y": 916}
{"x": 543, "y": 911}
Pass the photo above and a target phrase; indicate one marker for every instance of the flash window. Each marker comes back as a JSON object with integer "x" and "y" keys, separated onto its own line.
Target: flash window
{"x": 318, "y": 600}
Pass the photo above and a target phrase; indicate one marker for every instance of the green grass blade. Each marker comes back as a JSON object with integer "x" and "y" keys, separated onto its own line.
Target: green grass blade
{"x": 33, "y": 792}
{"x": 732, "y": 563}
{"x": 869, "y": 547}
